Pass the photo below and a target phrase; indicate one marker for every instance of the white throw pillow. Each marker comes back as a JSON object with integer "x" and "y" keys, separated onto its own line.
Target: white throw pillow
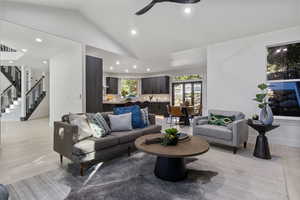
{"x": 120, "y": 122}
{"x": 84, "y": 130}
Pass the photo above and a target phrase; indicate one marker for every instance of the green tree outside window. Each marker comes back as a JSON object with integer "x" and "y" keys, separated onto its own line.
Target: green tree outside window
{"x": 129, "y": 88}
{"x": 187, "y": 77}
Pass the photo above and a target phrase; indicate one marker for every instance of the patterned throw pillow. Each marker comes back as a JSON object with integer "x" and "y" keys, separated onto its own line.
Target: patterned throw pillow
{"x": 220, "y": 120}
{"x": 99, "y": 132}
{"x": 145, "y": 116}
{"x": 84, "y": 130}
{"x": 99, "y": 121}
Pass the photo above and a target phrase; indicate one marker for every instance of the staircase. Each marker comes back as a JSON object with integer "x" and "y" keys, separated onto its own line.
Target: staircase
{"x": 13, "y": 74}
{"x": 34, "y": 97}
{"x": 11, "y": 97}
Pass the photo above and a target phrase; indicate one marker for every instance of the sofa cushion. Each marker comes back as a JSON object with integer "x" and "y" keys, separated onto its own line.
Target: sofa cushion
{"x": 128, "y": 136}
{"x": 151, "y": 129}
{"x": 94, "y": 144}
{"x": 218, "y": 132}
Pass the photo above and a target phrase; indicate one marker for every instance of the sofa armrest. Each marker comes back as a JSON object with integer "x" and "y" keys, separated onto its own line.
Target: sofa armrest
{"x": 65, "y": 136}
{"x": 200, "y": 120}
{"x": 152, "y": 119}
{"x": 240, "y": 132}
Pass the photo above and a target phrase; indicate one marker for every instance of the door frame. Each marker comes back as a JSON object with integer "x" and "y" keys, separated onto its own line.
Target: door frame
{"x": 183, "y": 90}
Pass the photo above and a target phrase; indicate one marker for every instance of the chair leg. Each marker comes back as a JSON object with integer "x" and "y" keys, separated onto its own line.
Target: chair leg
{"x": 245, "y": 145}
{"x": 61, "y": 159}
{"x": 234, "y": 150}
{"x": 129, "y": 151}
{"x": 81, "y": 169}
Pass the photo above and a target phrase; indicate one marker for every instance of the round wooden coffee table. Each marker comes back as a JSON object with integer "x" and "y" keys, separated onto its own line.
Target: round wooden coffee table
{"x": 170, "y": 164}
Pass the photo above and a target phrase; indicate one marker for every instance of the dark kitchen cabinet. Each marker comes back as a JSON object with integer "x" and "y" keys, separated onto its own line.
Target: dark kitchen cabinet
{"x": 94, "y": 84}
{"x": 112, "y": 85}
{"x": 156, "y": 85}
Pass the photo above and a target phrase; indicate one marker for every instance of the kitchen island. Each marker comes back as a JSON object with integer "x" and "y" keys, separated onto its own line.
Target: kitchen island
{"x": 155, "y": 107}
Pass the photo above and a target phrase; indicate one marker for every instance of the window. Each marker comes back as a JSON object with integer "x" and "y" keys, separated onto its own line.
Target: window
{"x": 187, "y": 92}
{"x": 283, "y": 74}
{"x": 284, "y": 62}
{"x": 129, "y": 87}
{"x": 187, "y": 77}
{"x": 285, "y": 98}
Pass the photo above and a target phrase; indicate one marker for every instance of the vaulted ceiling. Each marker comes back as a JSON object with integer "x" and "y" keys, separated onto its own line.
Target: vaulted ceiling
{"x": 165, "y": 31}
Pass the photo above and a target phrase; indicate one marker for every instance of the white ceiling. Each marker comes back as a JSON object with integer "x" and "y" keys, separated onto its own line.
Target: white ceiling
{"x": 164, "y": 32}
{"x": 19, "y": 37}
{"x": 110, "y": 59}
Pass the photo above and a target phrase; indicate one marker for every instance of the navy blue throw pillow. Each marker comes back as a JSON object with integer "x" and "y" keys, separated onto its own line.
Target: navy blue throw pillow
{"x": 137, "y": 120}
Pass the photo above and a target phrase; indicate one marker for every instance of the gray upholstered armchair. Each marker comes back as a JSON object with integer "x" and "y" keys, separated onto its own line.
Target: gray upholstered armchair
{"x": 234, "y": 135}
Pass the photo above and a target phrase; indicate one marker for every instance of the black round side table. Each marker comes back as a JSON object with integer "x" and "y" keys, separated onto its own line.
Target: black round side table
{"x": 262, "y": 149}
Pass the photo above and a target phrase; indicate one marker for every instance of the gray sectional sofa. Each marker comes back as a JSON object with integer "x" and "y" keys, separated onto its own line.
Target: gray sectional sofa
{"x": 93, "y": 149}
{"x": 235, "y": 136}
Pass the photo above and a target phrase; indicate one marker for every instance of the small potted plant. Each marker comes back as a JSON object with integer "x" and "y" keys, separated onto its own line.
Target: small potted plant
{"x": 266, "y": 115}
{"x": 170, "y": 137}
{"x": 255, "y": 117}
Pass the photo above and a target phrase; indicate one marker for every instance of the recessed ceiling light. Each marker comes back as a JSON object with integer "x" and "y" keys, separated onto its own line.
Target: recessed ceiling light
{"x": 45, "y": 62}
{"x": 134, "y": 66}
{"x": 187, "y": 10}
{"x": 38, "y": 40}
{"x": 285, "y": 49}
{"x": 24, "y": 50}
{"x": 111, "y": 68}
{"x": 148, "y": 69}
{"x": 118, "y": 62}
{"x": 133, "y": 32}
{"x": 126, "y": 70}
{"x": 10, "y": 62}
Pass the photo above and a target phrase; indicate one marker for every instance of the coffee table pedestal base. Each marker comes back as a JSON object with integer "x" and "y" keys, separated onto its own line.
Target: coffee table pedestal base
{"x": 262, "y": 147}
{"x": 170, "y": 169}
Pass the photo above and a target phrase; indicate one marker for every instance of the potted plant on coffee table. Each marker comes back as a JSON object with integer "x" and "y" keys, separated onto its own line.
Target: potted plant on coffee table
{"x": 170, "y": 137}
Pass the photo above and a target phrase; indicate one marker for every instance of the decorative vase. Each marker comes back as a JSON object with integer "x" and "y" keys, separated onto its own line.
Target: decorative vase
{"x": 266, "y": 115}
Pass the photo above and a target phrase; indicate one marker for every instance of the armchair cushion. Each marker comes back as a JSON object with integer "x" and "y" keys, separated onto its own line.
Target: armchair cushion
{"x": 214, "y": 131}
{"x": 236, "y": 114}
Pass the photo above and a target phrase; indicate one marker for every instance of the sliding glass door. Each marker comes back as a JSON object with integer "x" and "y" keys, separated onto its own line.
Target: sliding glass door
{"x": 189, "y": 92}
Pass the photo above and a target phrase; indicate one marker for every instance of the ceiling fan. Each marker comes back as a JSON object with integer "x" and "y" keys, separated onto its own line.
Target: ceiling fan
{"x": 153, "y": 2}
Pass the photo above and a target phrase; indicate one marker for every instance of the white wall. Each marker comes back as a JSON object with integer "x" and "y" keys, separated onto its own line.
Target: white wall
{"x": 235, "y": 68}
{"x": 60, "y": 22}
{"x": 66, "y": 83}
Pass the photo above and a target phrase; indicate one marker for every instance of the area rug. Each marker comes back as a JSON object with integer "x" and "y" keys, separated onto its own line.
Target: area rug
{"x": 215, "y": 175}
